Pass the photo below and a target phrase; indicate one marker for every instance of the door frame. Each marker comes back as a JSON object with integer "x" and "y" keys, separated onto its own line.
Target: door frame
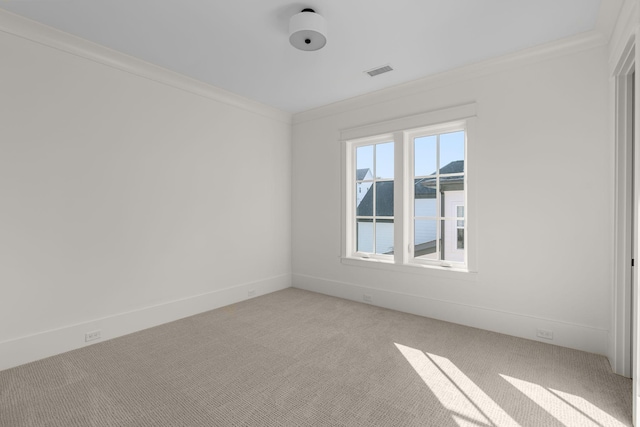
{"x": 624, "y": 360}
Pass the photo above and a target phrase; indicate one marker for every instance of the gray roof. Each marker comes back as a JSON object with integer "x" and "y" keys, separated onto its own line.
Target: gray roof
{"x": 361, "y": 173}
{"x": 425, "y": 188}
{"x": 384, "y": 202}
{"x": 457, "y": 166}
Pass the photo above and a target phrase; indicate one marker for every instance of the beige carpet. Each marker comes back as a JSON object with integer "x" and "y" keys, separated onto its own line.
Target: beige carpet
{"x": 296, "y": 358}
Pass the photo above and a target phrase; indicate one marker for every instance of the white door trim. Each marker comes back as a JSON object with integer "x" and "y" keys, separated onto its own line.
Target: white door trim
{"x": 626, "y": 298}
{"x": 621, "y": 362}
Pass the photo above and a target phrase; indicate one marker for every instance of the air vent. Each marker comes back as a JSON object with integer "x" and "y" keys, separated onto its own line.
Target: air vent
{"x": 379, "y": 70}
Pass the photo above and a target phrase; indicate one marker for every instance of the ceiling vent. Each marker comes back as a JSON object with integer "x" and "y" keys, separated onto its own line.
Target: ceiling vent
{"x": 379, "y": 70}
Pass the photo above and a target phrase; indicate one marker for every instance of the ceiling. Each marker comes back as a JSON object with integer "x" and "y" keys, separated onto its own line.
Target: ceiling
{"x": 242, "y": 46}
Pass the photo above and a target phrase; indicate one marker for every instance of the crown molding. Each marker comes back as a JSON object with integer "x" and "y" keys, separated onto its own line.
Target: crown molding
{"x": 626, "y": 27}
{"x": 608, "y": 15}
{"x": 36, "y": 32}
{"x": 564, "y": 47}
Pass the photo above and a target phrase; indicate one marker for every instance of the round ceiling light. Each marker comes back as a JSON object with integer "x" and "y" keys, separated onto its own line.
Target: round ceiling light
{"x": 307, "y": 30}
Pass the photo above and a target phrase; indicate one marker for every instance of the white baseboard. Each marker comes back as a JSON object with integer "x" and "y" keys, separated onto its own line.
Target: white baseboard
{"x": 49, "y": 343}
{"x": 580, "y": 337}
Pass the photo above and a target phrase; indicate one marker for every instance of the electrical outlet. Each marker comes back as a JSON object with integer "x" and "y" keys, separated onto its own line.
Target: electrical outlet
{"x": 547, "y": 335}
{"x": 367, "y": 298}
{"x": 251, "y": 293}
{"x": 92, "y": 336}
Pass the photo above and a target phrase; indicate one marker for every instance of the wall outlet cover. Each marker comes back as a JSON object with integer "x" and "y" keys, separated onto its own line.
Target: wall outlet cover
{"x": 92, "y": 336}
{"x": 547, "y": 335}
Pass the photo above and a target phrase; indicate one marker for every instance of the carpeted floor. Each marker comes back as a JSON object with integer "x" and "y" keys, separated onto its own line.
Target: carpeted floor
{"x": 297, "y": 358}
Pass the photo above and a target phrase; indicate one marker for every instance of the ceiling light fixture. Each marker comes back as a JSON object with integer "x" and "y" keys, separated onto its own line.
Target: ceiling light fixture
{"x": 307, "y": 30}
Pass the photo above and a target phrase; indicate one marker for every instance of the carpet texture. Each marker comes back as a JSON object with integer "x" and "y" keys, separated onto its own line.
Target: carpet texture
{"x": 297, "y": 358}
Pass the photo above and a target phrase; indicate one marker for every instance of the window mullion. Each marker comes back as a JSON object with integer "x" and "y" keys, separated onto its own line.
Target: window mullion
{"x": 438, "y": 203}
{"x": 400, "y": 225}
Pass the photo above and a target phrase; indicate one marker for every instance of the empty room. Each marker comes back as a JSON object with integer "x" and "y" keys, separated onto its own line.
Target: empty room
{"x": 357, "y": 213}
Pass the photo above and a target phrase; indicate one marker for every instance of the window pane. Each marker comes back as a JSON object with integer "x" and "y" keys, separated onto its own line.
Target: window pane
{"x": 425, "y": 197}
{"x": 384, "y": 237}
{"x": 384, "y": 198}
{"x": 364, "y": 162}
{"x": 460, "y": 214}
{"x": 425, "y": 155}
{"x": 364, "y": 199}
{"x": 384, "y": 161}
{"x": 425, "y": 235}
{"x": 451, "y": 247}
{"x": 452, "y": 152}
{"x": 364, "y": 231}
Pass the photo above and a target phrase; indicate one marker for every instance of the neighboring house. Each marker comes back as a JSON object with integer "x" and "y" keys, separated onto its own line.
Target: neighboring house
{"x": 363, "y": 187}
{"x": 384, "y": 229}
{"x": 452, "y": 204}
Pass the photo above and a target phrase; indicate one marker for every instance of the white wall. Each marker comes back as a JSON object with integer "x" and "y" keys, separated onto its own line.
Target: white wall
{"x": 544, "y": 252}
{"x": 127, "y": 201}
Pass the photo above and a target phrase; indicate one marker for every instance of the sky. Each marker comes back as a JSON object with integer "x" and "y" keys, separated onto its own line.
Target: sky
{"x": 451, "y": 149}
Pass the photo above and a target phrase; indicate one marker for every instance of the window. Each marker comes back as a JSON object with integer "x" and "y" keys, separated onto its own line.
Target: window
{"x": 406, "y": 194}
{"x": 374, "y": 210}
{"x": 438, "y": 195}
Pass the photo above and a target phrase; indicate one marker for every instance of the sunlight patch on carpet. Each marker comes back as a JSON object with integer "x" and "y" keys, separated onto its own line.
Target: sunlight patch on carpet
{"x": 468, "y": 404}
{"x": 567, "y": 408}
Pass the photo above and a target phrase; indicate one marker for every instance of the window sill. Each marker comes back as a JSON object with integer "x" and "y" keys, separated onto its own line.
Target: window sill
{"x": 421, "y": 269}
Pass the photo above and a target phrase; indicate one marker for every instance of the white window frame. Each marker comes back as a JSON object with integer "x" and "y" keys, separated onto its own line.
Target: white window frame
{"x": 379, "y": 139}
{"x": 409, "y": 137}
{"x": 400, "y": 131}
